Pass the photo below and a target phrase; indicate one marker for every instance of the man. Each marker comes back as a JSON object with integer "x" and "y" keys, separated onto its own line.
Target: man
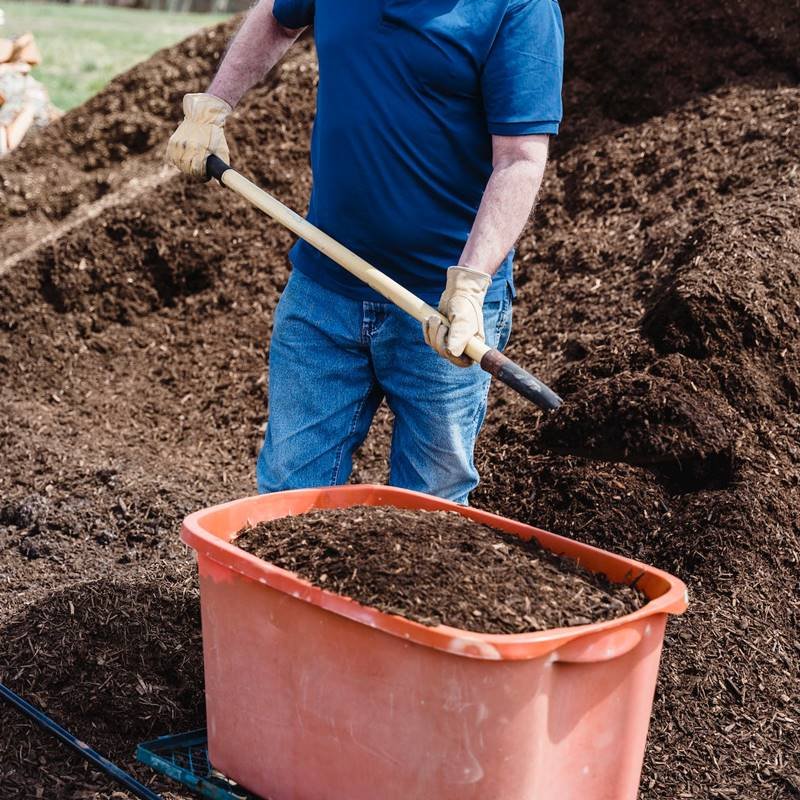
{"x": 428, "y": 150}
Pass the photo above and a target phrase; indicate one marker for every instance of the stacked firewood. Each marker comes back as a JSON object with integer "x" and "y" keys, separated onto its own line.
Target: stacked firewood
{"x": 23, "y": 100}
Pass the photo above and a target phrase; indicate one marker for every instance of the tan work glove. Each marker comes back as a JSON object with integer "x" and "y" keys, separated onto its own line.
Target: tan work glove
{"x": 200, "y": 134}
{"x": 462, "y": 304}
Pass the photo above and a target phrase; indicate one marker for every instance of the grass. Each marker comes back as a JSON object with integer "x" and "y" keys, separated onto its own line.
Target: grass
{"x": 83, "y": 47}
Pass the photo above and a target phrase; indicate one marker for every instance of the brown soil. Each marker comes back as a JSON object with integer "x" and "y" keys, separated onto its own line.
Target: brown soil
{"x": 120, "y": 660}
{"x": 407, "y": 563}
{"x": 643, "y": 419}
{"x": 659, "y": 287}
{"x": 99, "y": 148}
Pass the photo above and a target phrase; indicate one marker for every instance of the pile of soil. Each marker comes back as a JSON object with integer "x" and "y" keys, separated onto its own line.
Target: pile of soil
{"x": 112, "y": 143}
{"x": 439, "y": 568}
{"x": 644, "y": 419}
{"x": 658, "y": 286}
{"x": 117, "y": 660}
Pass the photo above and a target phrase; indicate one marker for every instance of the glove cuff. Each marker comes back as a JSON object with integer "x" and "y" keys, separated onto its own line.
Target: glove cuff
{"x": 466, "y": 280}
{"x": 206, "y": 109}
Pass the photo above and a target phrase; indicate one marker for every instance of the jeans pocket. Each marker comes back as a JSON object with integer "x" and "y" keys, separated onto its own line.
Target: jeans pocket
{"x": 504, "y": 319}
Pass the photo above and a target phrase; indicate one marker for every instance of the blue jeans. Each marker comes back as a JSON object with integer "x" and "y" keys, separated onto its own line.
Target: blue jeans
{"x": 333, "y": 359}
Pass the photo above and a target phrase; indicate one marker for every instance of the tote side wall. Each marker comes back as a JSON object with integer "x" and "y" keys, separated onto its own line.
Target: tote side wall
{"x": 304, "y": 703}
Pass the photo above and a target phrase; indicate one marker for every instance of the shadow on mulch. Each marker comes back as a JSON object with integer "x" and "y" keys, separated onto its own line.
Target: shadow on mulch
{"x": 115, "y": 661}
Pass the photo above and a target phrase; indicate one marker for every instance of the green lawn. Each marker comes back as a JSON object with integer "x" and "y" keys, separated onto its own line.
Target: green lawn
{"x": 83, "y": 47}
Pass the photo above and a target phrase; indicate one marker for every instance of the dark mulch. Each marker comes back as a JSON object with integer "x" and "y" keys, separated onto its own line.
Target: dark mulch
{"x": 664, "y": 265}
{"x": 115, "y": 660}
{"x": 439, "y": 568}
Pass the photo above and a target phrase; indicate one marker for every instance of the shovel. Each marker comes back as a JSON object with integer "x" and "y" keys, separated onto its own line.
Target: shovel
{"x": 489, "y": 358}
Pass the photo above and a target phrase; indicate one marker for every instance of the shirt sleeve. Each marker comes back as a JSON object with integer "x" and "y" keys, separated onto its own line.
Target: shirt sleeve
{"x": 523, "y": 73}
{"x": 294, "y": 14}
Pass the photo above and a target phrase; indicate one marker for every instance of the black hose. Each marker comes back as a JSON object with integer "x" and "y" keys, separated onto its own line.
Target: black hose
{"x": 102, "y": 763}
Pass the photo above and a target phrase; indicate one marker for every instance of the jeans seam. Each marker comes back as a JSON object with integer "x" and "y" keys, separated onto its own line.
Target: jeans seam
{"x": 501, "y": 317}
{"x": 377, "y": 309}
{"x": 382, "y": 322}
{"x": 340, "y": 451}
{"x": 477, "y": 411}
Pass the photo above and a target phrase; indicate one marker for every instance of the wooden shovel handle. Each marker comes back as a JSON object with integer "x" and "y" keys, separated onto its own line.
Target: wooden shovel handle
{"x": 490, "y": 359}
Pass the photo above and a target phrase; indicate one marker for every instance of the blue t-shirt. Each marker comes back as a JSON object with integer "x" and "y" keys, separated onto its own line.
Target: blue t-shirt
{"x": 409, "y": 94}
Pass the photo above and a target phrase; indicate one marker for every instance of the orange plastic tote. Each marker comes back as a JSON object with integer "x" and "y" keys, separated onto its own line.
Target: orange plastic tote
{"x": 311, "y": 696}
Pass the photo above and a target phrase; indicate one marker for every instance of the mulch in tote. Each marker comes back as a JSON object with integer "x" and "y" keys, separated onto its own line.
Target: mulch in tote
{"x": 658, "y": 293}
{"x": 439, "y": 568}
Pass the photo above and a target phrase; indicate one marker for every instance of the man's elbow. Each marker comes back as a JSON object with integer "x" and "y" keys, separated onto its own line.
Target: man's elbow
{"x": 521, "y": 168}
{"x": 289, "y": 33}
{"x": 523, "y": 153}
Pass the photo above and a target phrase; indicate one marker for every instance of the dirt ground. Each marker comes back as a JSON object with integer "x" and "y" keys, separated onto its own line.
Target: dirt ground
{"x": 659, "y": 292}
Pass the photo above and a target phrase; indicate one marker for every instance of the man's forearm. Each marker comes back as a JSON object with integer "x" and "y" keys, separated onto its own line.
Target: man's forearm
{"x": 254, "y": 51}
{"x": 507, "y": 203}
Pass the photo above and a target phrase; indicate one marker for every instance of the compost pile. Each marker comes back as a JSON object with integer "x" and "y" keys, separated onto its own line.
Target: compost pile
{"x": 407, "y": 563}
{"x": 659, "y": 291}
{"x": 121, "y": 655}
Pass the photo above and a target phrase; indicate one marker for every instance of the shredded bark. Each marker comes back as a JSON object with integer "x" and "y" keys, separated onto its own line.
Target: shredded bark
{"x": 437, "y": 567}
